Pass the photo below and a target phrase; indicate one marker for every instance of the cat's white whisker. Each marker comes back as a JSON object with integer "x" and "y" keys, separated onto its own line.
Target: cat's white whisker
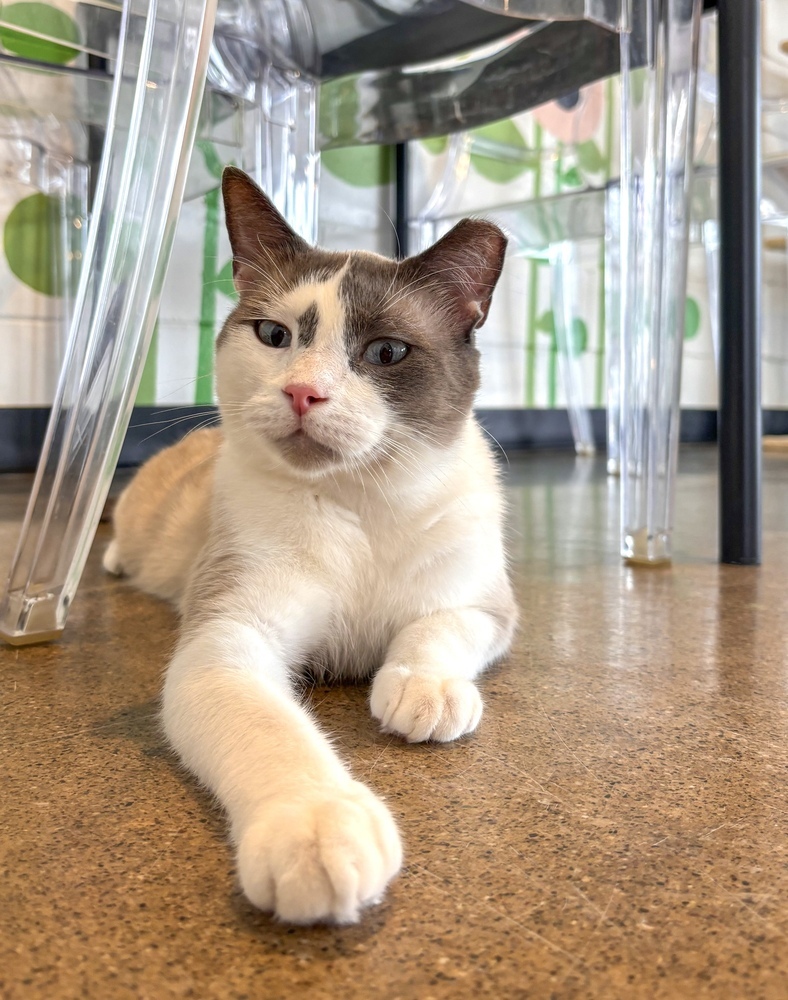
{"x": 168, "y": 424}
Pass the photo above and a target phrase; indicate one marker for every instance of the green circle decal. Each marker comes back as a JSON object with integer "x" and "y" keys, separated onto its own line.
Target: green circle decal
{"x": 691, "y": 319}
{"x": 436, "y": 145}
{"x": 578, "y": 337}
{"x": 338, "y": 109}
{"x": 44, "y": 20}
{"x": 361, "y": 166}
{"x": 508, "y": 136}
{"x": 31, "y": 243}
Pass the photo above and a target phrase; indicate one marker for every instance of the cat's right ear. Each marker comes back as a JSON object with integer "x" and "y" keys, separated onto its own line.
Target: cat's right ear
{"x": 259, "y": 235}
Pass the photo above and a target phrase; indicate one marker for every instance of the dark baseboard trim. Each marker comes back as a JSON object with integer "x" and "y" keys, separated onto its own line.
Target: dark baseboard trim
{"x": 519, "y": 430}
{"x": 775, "y": 422}
{"x": 151, "y": 428}
{"x": 22, "y": 431}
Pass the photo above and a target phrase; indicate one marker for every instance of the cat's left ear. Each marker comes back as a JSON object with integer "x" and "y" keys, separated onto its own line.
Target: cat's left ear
{"x": 259, "y": 235}
{"x": 466, "y": 263}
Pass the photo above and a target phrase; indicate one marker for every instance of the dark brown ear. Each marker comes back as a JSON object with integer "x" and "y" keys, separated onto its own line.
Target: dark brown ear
{"x": 466, "y": 263}
{"x": 258, "y": 233}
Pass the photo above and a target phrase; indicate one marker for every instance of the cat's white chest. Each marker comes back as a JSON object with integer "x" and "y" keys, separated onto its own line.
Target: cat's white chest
{"x": 372, "y": 562}
{"x": 372, "y": 558}
{"x": 367, "y": 562}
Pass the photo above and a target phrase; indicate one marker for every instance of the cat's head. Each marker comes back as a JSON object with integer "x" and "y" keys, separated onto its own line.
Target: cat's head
{"x": 334, "y": 360}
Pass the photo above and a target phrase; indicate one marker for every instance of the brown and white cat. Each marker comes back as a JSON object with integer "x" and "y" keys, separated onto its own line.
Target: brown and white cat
{"x": 346, "y": 520}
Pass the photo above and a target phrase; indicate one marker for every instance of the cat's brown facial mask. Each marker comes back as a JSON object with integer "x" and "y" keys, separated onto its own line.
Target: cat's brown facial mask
{"x": 335, "y": 359}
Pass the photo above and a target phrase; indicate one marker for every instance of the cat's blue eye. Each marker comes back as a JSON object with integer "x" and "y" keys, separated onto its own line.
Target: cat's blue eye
{"x": 272, "y": 334}
{"x": 385, "y": 352}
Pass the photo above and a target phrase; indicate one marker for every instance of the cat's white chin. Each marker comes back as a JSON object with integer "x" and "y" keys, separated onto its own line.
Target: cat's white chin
{"x": 306, "y": 454}
{"x": 311, "y": 458}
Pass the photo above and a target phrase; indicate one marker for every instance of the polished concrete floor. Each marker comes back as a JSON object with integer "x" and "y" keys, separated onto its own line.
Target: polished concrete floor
{"x": 618, "y": 826}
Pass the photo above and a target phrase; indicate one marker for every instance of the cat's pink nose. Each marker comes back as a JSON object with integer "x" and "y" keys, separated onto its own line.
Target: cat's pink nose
{"x": 302, "y": 397}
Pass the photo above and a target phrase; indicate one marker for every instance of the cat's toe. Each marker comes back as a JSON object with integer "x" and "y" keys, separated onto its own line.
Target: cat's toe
{"x": 424, "y": 706}
{"x": 111, "y": 559}
{"x": 320, "y": 857}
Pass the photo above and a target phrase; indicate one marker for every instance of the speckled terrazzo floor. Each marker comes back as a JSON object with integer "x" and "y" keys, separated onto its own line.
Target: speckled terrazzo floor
{"x": 618, "y": 827}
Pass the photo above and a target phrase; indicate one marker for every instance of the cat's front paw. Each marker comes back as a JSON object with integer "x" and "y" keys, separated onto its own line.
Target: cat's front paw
{"x": 320, "y": 856}
{"x": 424, "y": 706}
{"x": 111, "y": 559}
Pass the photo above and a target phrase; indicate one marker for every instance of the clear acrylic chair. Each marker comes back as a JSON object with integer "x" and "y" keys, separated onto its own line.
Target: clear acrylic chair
{"x": 159, "y": 54}
{"x": 645, "y": 236}
{"x": 44, "y": 237}
{"x": 774, "y": 213}
{"x": 563, "y": 231}
{"x": 774, "y": 165}
{"x": 656, "y": 175}
{"x": 148, "y": 108}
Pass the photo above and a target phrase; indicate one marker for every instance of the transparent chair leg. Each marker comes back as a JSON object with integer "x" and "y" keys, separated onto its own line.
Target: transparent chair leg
{"x": 159, "y": 80}
{"x": 658, "y": 114}
{"x": 711, "y": 247}
{"x": 613, "y": 326}
{"x": 281, "y": 148}
{"x": 446, "y": 194}
{"x": 56, "y": 248}
{"x": 303, "y": 163}
{"x": 567, "y": 273}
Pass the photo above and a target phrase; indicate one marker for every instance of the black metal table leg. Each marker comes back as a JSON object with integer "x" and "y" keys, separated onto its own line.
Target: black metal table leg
{"x": 401, "y": 208}
{"x": 739, "y": 428}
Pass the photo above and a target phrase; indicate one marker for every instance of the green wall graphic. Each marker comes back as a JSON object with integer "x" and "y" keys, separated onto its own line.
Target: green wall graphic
{"x": 362, "y": 166}
{"x": 32, "y": 240}
{"x": 43, "y": 19}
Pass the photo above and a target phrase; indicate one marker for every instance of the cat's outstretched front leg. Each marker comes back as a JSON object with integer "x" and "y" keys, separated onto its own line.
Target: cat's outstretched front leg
{"x": 425, "y": 689}
{"x": 313, "y": 844}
